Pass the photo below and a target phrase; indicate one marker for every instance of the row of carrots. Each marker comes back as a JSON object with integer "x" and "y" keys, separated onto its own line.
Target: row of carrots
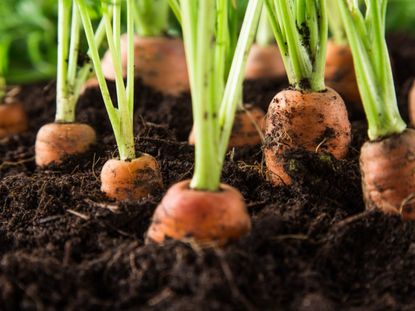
{"x": 308, "y": 115}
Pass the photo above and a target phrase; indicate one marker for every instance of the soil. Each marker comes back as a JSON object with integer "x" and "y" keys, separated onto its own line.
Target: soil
{"x": 64, "y": 246}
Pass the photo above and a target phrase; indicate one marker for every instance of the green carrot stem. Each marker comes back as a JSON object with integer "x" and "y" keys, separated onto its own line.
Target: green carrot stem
{"x": 62, "y": 91}
{"x": 372, "y": 66}
{"x": 151, "y": 17}
{"x": 233, "y": 89}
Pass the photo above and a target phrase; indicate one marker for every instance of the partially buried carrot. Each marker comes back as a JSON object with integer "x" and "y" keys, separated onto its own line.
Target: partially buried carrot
{"x": 13, "y": 119}
{"x": 210, "y": 217}
{"x": 309, "y": 115}
{"x": 387, "y": 161}
{"x": 314, "y": 121}
{"x": 159, "y": 62}
{"x": 264, "y": 60}
{"x": 340, "y": 74}
{"x": 57, "y": 141}
{"x": 130, "y": 179}
{"x": 247, "y": 128}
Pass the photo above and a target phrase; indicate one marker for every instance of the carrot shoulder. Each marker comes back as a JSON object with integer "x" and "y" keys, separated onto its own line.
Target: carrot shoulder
{"x": 13, "y": 119}
{"x": 205, "y": 216}
{"x": 56, "y": 141}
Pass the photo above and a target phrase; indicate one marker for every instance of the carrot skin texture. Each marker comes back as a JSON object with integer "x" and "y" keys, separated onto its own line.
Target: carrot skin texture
{"x": 131, "y": 180}
{"x": 13, "y": 119}
{"x": 340, "y": 74}
{"x": 210, "y": 218}
{"x": 411, "y": 104}
{"x": 160, "y": 62}
{"x": 388, "y": 180}
{"x": 55, "y": 141}
{"x": 245, "y": 128}
{"x": 313, "y": 121}
{"x": 264, "y": 62}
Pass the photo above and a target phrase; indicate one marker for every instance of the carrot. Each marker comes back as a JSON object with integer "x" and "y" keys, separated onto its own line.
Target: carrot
{"x": 159, "y": 61}
{"x": 411, "y": 104}
{"x": 314, "y": 121}
{"x": 130, "y": 180}
{"x": 56, "y": 141}
{"x": 340, "y": 74}
{"x": 309, "y": 115}
{"x": 13, "y": 119}
{"x": 264, "y": 62}
{"x": 247, "y": 128}
{"x": 388, "y": 167}
{"x": 387, "y": 161}
{"x": 208, "y": 217}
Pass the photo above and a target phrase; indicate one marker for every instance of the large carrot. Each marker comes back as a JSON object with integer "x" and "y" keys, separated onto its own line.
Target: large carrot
{"x": 130, "y": 177}
{"x": 264, "y": 60}
{"x": 66, "y": 137}
{"x": 203, "y": 209}
{"x": 387, "y": 161}
{"x": 339, "y": 73}
{"x": 307, "y": 116}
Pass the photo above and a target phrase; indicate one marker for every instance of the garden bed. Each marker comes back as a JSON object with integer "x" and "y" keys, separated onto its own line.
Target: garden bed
{"x": 64, "y": 246}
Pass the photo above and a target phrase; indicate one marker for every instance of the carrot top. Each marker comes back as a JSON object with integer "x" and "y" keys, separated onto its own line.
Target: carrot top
{"x": 300, "y": 28}
{"x": 151, "y": 17}
{"x": 366, "y": 36}
{"x": 206, "y": 30}
{"x": 121, "y": 116}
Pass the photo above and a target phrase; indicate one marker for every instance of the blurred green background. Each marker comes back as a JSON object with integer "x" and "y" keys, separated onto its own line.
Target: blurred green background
{"x": 28, "y": 36}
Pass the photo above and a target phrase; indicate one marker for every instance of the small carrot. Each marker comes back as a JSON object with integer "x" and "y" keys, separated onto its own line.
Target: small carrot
{"x": 13, "y": 119}
{"x": 132, "y": 176}
{"x": 56, "y": 141}
{"x": 247, "y": 128}
{"x": 159, "y": 61}
{"x": 66, "y": 137}
{"x": 308, "y": 115}
{"x": 209, "y": 217}
{"x": 387, "y": 161}
{"x": 340, "y": 74}
{"x": 130, "y": 180}
{"x": 264, "y": 60}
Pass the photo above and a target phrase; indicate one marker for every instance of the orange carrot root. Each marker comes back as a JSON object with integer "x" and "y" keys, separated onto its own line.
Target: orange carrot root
{"x": 340, "y": 74}
{"x": 264, "y": 62}
{"x": 159, "y": 61}
{"x": 411, "y": 104}
{"x": 131, "y": 180}
{"x": 247, "y": 128}
{"x": 316, "y": 122}
{"x": 13, "y": 119}
{"x": 210, "y": 218}
{"x": 56, "y": 141}
{"x": 388, "y": 167}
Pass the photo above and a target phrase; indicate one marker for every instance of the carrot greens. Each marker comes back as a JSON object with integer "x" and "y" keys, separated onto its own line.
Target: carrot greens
{"x": 366, "y": 36}
{"x": 206, "y": 34}
{"x": 300, "y": 28}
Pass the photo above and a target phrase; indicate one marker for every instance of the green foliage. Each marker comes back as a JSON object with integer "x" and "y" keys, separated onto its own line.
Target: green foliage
{"x": 28, "y": 33}
{"x": 401, "y": 16}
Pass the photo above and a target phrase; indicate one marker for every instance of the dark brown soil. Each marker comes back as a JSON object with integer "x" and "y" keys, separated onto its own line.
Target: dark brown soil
{"x": 64, "y": 246}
